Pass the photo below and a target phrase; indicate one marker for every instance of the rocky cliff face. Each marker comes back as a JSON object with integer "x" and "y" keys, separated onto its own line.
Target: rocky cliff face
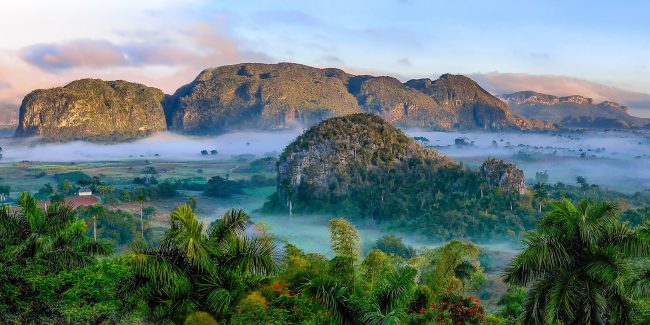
{"x": 276, "y": 96}
{"x": 503, "y": 174}
{"x": 338, "y": 153}
{"x": 92, "y": 109}
{"x": 572, "y": 111}
{"x": 365, "y": 160}
{"x": 472, "y": 106}
{"x": 259, "y": 96}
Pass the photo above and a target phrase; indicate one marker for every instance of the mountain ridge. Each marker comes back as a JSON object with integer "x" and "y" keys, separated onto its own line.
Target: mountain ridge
{"x": 276, "y": 95}
{"x": 260, "y": 96}
{"x": 572, "y": 111}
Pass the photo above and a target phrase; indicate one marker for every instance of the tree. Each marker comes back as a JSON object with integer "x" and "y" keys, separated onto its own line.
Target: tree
{"x": 192, "y": 202}
{"x": 197, "y": 269}
{"x": 512, "y": 302}
{"x": 541, "y": 177}
{"x": 392, "y": 244}
{"x": 38, "y": 250}
{"x": 5, "y": 190}
{"x": 540, "y": 193}
{"x": 54, "y": 237}
{"x": 141, "y": 196}
{"x": 344, "y": 238}
{"x": 584, "y": 186}
{"x": 454, "y": 266}
{"x": 578, "y": 266}
{"x": 222, "y": 187}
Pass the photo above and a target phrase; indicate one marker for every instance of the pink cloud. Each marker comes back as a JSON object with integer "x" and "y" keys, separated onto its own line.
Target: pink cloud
{"x": 76, "y": 53}
{"x": 158, "y": 65}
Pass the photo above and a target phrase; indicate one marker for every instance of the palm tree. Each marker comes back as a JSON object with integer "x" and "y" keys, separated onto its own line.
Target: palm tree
{"x": 386, "y": 304}
{"x": 141, "y": 196}
{"x": 196, "y": 269}
{"x": 578, "y": 266}
{"x": 540, "y": 193}
{"x": 54, "y": 237}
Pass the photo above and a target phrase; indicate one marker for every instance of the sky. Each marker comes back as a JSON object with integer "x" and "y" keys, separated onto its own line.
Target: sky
{"x": 599, "y": 49}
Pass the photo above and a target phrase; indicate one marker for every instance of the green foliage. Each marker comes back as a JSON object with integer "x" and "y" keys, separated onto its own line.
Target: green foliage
{"x": 344, "y": 238}
{"x": 262, "y": 165}
{"x": 221, "y": 187}
{"x": 452, "y": 267}
{"x": 84, "y": 295}
{"x": 392, "y": 244}
{"x": 198, "y": 269}
{"x": 44, "y": 192}
{"x": 118, "y": 226}
{"x": 74, "y": 177}
{"x": 636, "y": 216}
{"x": 512, "y": 302}
{"x": 578, "y": 265}
{"x": 47, "y": 265}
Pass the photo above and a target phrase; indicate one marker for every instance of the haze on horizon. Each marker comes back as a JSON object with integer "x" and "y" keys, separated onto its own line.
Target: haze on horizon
{"x": 592, "y": 48}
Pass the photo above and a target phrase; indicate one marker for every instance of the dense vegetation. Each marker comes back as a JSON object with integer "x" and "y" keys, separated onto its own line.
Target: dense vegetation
{"x": 580, "y": 265}
{"x": 361, "y": 166}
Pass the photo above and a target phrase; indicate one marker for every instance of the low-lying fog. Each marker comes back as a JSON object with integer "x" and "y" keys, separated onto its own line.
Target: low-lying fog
{"x": 165, "y": 145}
{"x": 614, "y": 159}
{"x": 618, "y": 160}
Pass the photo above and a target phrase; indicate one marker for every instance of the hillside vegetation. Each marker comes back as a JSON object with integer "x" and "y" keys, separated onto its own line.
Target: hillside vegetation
{"x": 360, "y": 165}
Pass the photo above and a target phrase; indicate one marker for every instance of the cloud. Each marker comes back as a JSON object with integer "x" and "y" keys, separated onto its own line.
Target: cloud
{"x": 83, "y": 53}
{"x": 101, "y": 54}
{"x": 404, "y": 62}
{"x": 332, "y": 59}
{"x": 154, "y": 63}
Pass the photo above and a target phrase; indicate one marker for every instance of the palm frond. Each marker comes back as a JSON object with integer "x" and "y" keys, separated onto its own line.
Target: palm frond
{"x": 376, "y": 317}
{"x": 332, "y": 296}
{"x": 249, "y": 255}
{"x": 232, "y": 223}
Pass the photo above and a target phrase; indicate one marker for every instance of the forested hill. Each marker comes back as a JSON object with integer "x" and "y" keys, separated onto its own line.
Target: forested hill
{"x": 362, "y": 167}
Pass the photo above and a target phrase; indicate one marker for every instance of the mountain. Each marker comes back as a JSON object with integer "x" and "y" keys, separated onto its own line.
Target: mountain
{"x": 8, "y": 115}
{"x": 572, "y": 111}
{"x": 363, "y": 167}
{"x": 325, "y": 159}
{"x": 259, "y": 96}
{"x": 473, "y": 105}
{"x": 92, "y": 109}
{"x": 276, "y": 96}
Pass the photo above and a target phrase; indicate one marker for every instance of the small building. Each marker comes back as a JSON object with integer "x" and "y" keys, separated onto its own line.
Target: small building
{"x": 75, "y": 201}
{"x": 85, "y": 192}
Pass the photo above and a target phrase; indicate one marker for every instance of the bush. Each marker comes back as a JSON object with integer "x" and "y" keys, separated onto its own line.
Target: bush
{"x": 220, "y": 187}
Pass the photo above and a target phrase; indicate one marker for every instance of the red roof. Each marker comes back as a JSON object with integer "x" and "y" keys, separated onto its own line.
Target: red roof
{"x": 77, "y": 201}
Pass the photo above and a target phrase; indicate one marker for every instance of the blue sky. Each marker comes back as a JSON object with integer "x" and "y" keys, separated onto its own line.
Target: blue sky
{"x": 595, "y": 48}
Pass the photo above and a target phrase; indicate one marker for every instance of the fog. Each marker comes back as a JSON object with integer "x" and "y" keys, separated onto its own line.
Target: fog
{"x": 311, "y": 234}
{"x": 613, "y": 159}
{"x": 616, "y": 160}
{"x": 165, "y": 145}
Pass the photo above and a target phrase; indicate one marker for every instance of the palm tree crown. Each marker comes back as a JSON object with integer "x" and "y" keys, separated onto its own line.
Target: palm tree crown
{"x": 196, "y": 269}
{"x": 578, "y": 266}
{"x": 54, "y": 237}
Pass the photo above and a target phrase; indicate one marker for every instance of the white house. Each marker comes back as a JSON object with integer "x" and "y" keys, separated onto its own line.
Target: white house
{"x": 85, "y": 192}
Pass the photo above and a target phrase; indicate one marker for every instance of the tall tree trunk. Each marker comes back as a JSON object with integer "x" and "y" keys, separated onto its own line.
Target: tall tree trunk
{"x": 141, "y": 219}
